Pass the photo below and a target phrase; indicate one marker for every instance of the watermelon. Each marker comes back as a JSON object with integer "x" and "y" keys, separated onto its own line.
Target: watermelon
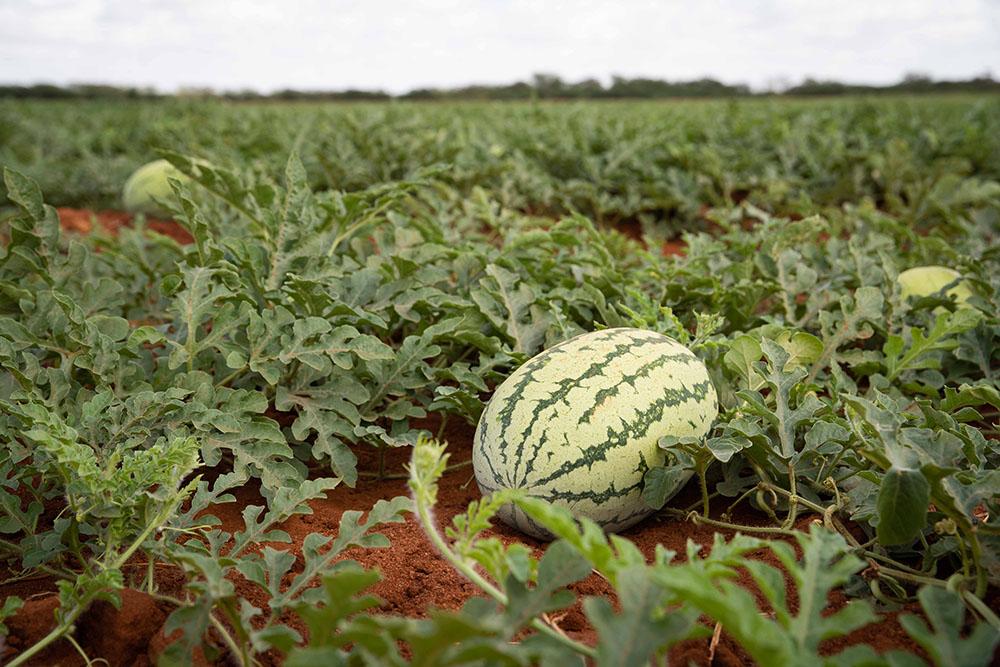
{"x": 929, "y": 280}
{"x": 578, "y": 424}
{"x": 147, "y": 182}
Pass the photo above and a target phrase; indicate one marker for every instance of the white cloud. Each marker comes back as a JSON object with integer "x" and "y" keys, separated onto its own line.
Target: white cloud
{"x": 399, "y": 44}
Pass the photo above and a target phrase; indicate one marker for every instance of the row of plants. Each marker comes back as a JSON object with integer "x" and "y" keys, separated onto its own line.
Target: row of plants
{"x": 650, "y": 162}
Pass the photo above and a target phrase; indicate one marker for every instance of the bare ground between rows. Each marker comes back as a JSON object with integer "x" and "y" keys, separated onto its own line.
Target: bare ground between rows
{"x": 82, "y": 220}
{"x": 415, "y": 578}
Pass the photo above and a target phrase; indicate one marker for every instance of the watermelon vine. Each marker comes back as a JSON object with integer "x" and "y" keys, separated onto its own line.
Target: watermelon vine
{"x": 331, "y": 313}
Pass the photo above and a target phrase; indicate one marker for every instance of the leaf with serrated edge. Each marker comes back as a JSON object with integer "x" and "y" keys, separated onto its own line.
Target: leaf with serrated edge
{"x": 945, "y": 644}
{"x": 561, "y": 565}
{"x": 629, "y": 638}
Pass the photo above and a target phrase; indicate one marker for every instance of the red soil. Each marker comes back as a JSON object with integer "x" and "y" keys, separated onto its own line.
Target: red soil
{"x": 82, "y": 220}
{"x": 633, "y": 230}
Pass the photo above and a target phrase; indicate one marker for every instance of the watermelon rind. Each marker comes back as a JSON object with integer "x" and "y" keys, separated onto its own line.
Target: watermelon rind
{"x": 929, "y": 280}
{"x": 578, "y": 424}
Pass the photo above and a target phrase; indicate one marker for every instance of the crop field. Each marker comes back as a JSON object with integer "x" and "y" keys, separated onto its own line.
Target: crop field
{"x": 244, "y": 421}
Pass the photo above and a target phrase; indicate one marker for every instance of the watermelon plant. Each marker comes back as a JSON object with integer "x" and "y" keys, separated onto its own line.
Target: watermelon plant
{"x": 176, "y": 418}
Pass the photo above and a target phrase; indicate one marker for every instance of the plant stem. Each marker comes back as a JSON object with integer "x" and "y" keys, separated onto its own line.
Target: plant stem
{"x": 83, "y": 654}
{"x": 230, "y": 377}
{"x": 354, "y": 227}
{"x": 792, "y": 496}
{"x": 913, "y": 578}
{"x": 693, "y": 507}
{"x": 743, "y": 497}
{"x": 988, "y": 614}
{"x": 10, "y": 546}
{"x": 696, "y": 519}
{"x": 423, "y": 512}
{"x": 702, "y": 465}
{"x": 239, "y": 652}
{"x": 893, "y": 563}
{"x": 166, "y": 598}
{"x": 444, "y": 422}
{"x": 767, "y": 508}
{"x": 162, "y": 516}
{"x": 793, "y": 499}
{"x": 977, "y": 558}
{"x": 116, "y": 564}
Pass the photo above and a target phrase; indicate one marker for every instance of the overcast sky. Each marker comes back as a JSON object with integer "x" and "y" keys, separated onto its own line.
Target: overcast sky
{"x": 398, "y": 45}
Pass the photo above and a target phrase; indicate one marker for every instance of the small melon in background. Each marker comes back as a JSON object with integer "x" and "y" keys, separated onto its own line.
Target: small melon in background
{"x": 147, "y": 182}
{"x": 578, "y": 424}
{"x": 929, "y": 280}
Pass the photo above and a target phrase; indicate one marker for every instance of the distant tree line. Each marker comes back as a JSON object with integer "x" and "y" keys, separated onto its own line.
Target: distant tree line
{"x": 911, "y": 83}
{"x": 550, "y": 86}
{"x": 542, "y": 86}
{"x": 77, "y": 91}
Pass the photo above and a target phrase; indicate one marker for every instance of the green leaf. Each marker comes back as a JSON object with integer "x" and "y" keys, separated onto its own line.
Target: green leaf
{"x": 744, "y": 352}
{"x": 940, "y": 337}
{"x": 704, "y": 583}
{"x": 461, "y": 639}
{"x": 330, "y": 411}
{"x": 662, "y": 482}
{"x": 352, "y": 532}
{"x": 903, "y": 498}
{"x": 10, "y": 606}
{"x": 945, "y": 643}
{"x": 205, "y": 496}
{"x": 407, "y": 372}
{"x": 458, "y": 401}
{"x": 607, "y": 554}
{"x": 791, "y": 639}
{"x": 852, "y": 323}
{"x": 26, "y": 195}
{"x": 340, "y": 601}
{"x": 803, "y": 348}
{"x": 824, "y": 565}
{"x": 629, "y": 638}
{"x": 785, "y": 419}
{"x": 316, "y": 344}
{"x": 16, "y": 520}
{"x": 280, "y": 637}
{"x": 266, "y": 335}
{"x": 978, "y": 346}
{"x": 203, "y": 300}
{"x": 510, "y": 306}
{"x": 561, "y": 565}
{"x": 974, "y": 395}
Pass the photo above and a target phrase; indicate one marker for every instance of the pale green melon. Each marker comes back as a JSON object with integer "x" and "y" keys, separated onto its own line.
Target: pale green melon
{"x": 147, "y": 182}
{"x": 929, "y": 280}
{"x": 578, "y": 424}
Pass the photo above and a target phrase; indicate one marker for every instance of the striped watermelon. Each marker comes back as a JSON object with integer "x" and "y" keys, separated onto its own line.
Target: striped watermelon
{"x": 578, "y": 424}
